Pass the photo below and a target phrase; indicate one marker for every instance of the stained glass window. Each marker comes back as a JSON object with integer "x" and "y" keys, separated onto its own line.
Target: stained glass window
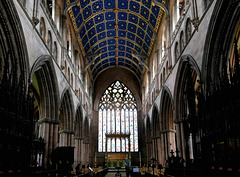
{"x": 118, "y": 115}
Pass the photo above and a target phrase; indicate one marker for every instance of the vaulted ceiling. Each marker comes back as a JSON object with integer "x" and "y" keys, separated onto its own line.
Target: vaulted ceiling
{"x": 116, "y": 33}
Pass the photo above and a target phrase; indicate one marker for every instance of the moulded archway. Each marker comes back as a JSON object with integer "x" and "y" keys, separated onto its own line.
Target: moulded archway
{"x": 111, "y": 75}
{"x": 66, "y": 118}
{"x": 44, "y": 80}
{"x": 187, "y": 93}
{"x": 156, "y": 134}
{"x": 167, "y": 126}
{"x": 78, "y": 136}
{"x": 221, "y": 85}
{"x": 148, "y": 135}
{"x": 15, "y": 107}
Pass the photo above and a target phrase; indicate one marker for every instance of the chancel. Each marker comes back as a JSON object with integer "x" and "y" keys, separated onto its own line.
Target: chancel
{"x": 120, "y": 88}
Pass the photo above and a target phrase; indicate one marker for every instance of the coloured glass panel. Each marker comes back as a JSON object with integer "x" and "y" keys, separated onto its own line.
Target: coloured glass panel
{"x": 113, "y": 145}
{"x": 118, "y": 121}
{"x": 118, "y": 114}
{"x": 123, "y": 145}
{"x": 109, "y": 145}
{"x": 118, "y": 145}
{"x": 104, "y": 130}
{"x": 100, "y": 132}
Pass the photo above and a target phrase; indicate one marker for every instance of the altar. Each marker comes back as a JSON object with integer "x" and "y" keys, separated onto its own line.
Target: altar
{"x": 116, "y": 159}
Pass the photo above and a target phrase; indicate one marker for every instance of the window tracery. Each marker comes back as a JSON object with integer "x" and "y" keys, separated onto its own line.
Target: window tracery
{"x": 117, "y": 115}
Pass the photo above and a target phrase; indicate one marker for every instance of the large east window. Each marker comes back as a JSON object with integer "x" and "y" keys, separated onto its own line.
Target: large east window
{"x": 117, "y": 115}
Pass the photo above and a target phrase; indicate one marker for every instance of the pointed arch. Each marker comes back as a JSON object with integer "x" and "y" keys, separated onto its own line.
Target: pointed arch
{"x": 67, "y": 107}
{"x": 43, "y": 79}
{"x": 78, "y": 123}
{"x": 44, "y": 70}
{"x": 167, "y": 125}
{"x": 221, "y": 84}
{"x": 16, "y": 109}
{"x": 156, "y": 133}
{"x": 66, "y": 118}
{"x": 186, "y": 96}
{"x": 149, "y": 139}
{"x": 117, "y": 115}
{"x": 113, "y": 75}
{"x": 155, "y": 120}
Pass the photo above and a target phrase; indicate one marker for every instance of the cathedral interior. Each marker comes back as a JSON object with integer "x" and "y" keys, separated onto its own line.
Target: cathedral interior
{"x": 85, "y": 84}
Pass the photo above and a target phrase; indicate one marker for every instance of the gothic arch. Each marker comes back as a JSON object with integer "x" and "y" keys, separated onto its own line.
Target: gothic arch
{"x": 78, "y": 136}
{"x": 86, "y": 140}
{"x": 44, "y": 85}
{"x": 13, "y": 42}
{"x": 181, "y": 79}
{"x": 47, "y": 80}
{"x": 156, "y": 132}
{"x": 149, "y": 139}
{"x": 221, "y": 87}
{"x": 111, "y": 77}
{"x": 78, "y": 127}
{"x": 16, "y": 109}
{"x": 165, "y": 88}
{"x": 221, "y": 30}
{"x": 167, "y": 125}
{"x": 186, "y": 98}
{"x": 155, "y": 120}
{"x": 67, "y": 107}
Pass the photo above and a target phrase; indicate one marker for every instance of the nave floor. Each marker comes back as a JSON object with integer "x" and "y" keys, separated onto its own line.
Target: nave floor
{"x": 112, "y": 174}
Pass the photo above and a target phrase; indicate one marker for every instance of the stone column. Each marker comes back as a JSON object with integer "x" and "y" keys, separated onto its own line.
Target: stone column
{"x": 153, "y": 148}
{"x": 182, "y": 141}
{"x": 44, "y": 133}
{"x": 81, "y": 151}
{"x": 50, "y": 147}
{"x": 72, "y": 140}
{"x": 63, "y": 139}
{"x": 55, "y": 135}
{"x": 172, "y": 140}
{"x": 76, "y": 151}
{"x": 179, "y": 142}
{"x": 163, "y": 149}
{"x": 159, "y": 151}
{"x": 166, "y": 145}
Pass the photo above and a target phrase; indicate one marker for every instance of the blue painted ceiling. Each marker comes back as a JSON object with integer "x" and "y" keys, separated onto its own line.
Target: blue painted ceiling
{"x": 110, "y": 30}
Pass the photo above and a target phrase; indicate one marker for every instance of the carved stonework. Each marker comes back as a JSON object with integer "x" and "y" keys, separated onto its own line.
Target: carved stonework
{"x": 195, "y": 23}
